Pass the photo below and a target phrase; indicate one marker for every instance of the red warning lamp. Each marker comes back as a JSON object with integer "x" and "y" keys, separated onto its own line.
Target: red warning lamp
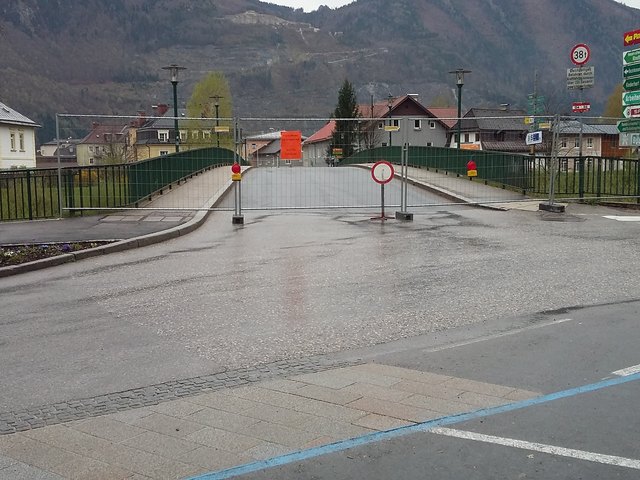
{"x": 472, "y": 169}
{"x": 235, "y": 168}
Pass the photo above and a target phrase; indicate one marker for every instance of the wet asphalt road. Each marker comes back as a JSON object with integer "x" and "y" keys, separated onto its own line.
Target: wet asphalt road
{"x": 293, "y": 284}
{"x": 583, "y": 433}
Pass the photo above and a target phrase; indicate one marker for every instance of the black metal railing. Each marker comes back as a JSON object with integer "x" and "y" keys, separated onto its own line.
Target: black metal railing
{"x": 575, "y": 177}
{"x": 27, "y": 194}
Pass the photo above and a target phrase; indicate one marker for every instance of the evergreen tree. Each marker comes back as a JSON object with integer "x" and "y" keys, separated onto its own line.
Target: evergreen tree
{"x": 345, "y": 133}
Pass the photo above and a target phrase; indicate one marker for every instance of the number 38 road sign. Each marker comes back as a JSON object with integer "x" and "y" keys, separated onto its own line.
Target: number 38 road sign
{"x": 580, "y": 54}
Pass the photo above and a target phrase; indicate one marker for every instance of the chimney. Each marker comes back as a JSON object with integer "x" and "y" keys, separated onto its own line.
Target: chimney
{"x": 161, "y": 109}
{"x": 94, "y": 125}
{"x": 142, "y": 117}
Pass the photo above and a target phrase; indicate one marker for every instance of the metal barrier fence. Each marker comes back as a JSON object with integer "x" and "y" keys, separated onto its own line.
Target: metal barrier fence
{"x": 121, "y": 161}
{"x": 49, "y": 193}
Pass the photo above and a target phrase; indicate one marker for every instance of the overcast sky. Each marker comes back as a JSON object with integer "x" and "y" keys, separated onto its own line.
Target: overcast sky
{"x": 311, "y": 5}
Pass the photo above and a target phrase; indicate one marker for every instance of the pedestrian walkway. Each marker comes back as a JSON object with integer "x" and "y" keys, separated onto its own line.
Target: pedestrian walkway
{"x": 463, "y": 189}
{"x": 228, "y": 427}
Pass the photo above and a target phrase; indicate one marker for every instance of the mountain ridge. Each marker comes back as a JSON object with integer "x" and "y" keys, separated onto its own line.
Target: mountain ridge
{"x": 94, "y": 57}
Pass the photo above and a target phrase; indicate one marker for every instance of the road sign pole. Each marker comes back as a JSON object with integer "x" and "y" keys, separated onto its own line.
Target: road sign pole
{"x": 404, "y": 173}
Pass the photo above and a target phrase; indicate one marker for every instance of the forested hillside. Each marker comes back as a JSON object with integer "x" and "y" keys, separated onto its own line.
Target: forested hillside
{"x": 90, "y": 56}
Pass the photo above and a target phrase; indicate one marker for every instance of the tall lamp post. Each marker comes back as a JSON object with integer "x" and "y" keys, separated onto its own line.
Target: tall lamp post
{"x": 389, "y": 105}
{"x": 174, "y": 69}
{"x": 217, "y": 106}
{"x": 459, "y": 82}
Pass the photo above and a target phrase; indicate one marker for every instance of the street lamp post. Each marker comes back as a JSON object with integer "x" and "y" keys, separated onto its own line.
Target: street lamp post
{"x": 389, "y": 105}
{"x": 217, "y": 106}
{"x": 174, "y": 69}
{"x": 459, "y": 82}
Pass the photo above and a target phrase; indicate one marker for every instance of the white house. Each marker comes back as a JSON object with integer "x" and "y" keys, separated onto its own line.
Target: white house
{"x": 17, "y": 139}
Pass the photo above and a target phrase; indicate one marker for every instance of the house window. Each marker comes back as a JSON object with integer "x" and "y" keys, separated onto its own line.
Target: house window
{"x": 432, "y": 124}
{"x": 164, "y": 152}
{"x": 91, "y": 160}
{"x": 21, "y": 138}
{"x": 380, "y": 125}
{"x": 183, "y": 135}
{"x": 163, "y": 135}
{"x": 429, "y": 144}
{"x": 396, "y": 123}
{"x": 13, "y": 141}
{"x": 466, "y": 138}
{"x": 91, "y": 148}
{"x": 576, "y": 142}
{"x": 589, "y": 142}
{"x": 417, "y": 124}
{"x": 563, "y": 143}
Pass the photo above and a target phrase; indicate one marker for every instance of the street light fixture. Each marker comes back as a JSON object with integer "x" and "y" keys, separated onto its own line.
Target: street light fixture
{"x": 174, "y": 69}
{"x": 389, "y": 105}
{"x": 459, "y": 82}
{"x": 217, "y": 105}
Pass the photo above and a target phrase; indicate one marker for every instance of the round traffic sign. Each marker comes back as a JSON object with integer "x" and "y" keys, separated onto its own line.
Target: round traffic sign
{"x": 382, "y": 172}
{"x": 580, "y": 54}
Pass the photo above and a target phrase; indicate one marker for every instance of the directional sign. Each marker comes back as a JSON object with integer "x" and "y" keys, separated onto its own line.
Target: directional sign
{"x": 534, "y": 138}
{"x": 631, "y": 70}
{"x": 632, "y": 84}
{"x": 630, "y": 98}
{"x": 631, "y": 112}
{"x": 580, "y": 77}
{"x": 632, "y": 56}
{"x": 625, "y": 126}
{"x": 580, "y": 54}
{"x": 629, "y": 140}
{"x": 631, "y": 38}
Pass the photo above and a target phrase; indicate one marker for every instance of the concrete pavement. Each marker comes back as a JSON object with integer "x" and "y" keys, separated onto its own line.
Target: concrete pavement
{"x": 227, "y": 427}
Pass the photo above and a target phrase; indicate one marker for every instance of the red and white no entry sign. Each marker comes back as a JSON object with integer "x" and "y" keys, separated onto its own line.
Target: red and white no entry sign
{"x": 580, "y": 54}
{"x": 382, "y": 172}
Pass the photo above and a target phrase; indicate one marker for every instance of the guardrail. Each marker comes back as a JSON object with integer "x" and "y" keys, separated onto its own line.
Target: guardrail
{"x": 576, "y": 177}
{"x": 36, "y": 193}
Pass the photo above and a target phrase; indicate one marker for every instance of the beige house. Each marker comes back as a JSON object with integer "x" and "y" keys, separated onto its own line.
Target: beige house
{"x": 104, "y": 145}
{"x": 17, "y": 139}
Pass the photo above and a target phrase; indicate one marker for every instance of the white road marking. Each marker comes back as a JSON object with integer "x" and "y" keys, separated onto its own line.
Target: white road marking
{"x": 541, "y": 447}
{"x": 498, "y": 335}
{"x": 625, "y": 372}
{"x": 623, "y": 218}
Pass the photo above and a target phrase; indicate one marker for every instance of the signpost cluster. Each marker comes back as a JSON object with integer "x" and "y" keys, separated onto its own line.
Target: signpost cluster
{"x": 631, "y": 94}
{"x": 580, "y": 76}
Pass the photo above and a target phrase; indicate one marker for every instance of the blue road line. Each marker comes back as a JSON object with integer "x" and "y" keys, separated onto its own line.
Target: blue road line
{"x": 401, "y": 431}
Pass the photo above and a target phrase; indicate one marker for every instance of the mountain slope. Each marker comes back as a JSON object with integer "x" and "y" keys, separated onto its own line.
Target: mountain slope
{"x": 91, "y": 56}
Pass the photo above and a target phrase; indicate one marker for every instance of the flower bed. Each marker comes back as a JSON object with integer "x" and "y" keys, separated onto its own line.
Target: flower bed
{"x": 17, "y": 254}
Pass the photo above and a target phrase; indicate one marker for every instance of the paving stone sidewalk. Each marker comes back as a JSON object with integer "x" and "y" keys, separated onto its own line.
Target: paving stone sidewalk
{"x": 207, "y": 432}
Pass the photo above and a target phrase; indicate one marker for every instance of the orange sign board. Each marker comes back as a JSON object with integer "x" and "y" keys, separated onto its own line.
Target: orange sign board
{"x": 470, "y": 146}
{"x": 291, "y": 145}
